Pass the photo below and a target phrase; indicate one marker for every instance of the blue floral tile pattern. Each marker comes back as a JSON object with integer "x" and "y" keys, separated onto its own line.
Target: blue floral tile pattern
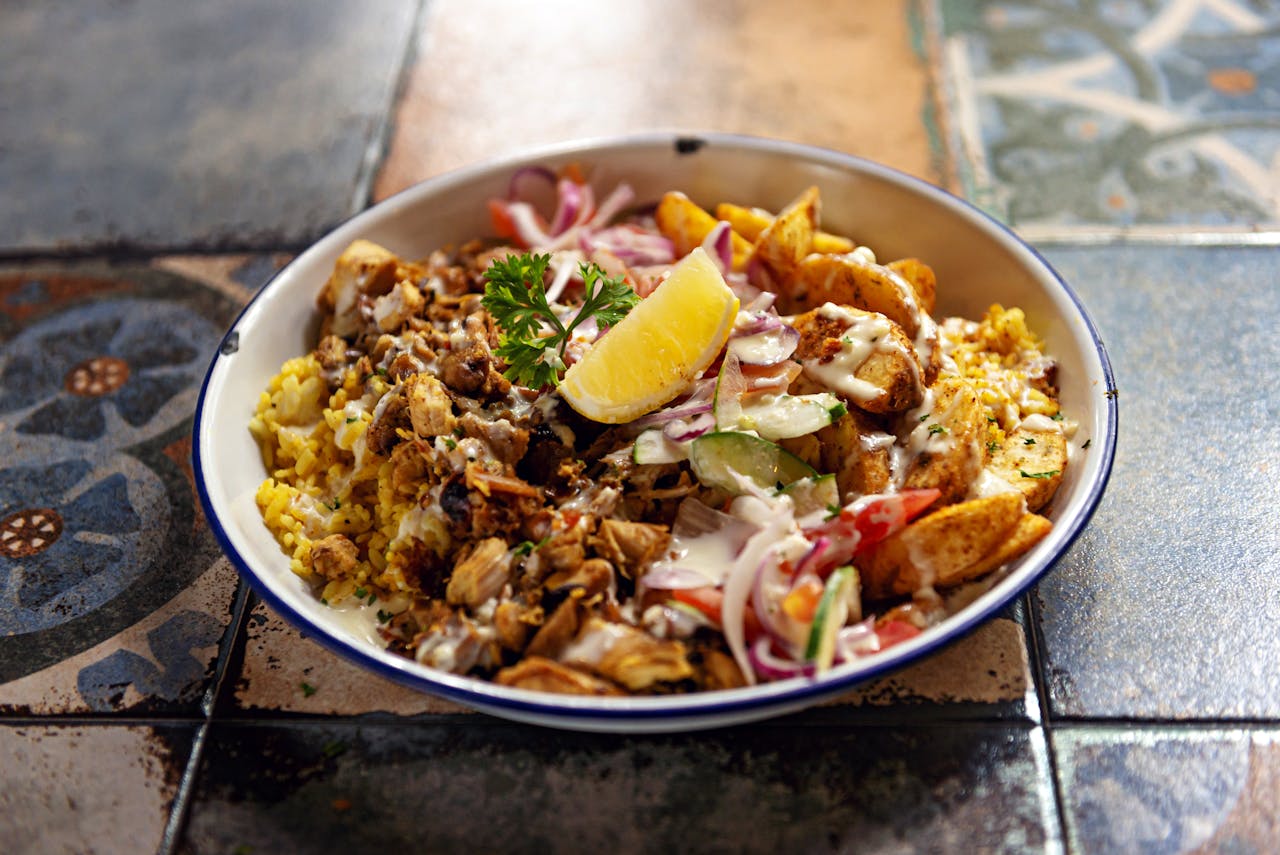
{"x": 112, "y": 373}
{"x": 1121, "y": 114}
{"x": 99, "y": 371}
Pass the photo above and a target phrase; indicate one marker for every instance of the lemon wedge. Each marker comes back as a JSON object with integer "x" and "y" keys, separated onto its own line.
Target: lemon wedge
{"x": 651, "y": 355}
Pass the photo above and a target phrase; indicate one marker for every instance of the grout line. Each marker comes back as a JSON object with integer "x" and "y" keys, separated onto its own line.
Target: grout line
{"x": 1039, "y": 675}
{"x": 181, "y": 806}
{"x": 1147, "y": 236}
{"x": 384, "y": 130}
{"x": 239, "y": 617}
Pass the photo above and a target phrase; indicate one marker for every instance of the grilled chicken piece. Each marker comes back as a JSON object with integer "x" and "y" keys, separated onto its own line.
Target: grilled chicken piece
{"x": 481, "y": 575}
{"x": 430, "y": 407}
{"x": 630, "y": 546}
{"x": 334, "y": 557}
{"x": 628, "y": 655}
{"x": 540, "y": 674}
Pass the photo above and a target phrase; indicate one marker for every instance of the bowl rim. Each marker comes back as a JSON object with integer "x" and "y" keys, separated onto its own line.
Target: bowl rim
{"x": 691, "y": 710}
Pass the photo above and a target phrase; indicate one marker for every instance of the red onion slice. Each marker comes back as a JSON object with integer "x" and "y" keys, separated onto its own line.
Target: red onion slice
{"x": 621, "y": 197}
{"x": 674, "y": 578}
{"x": 719, "y": 245}
{"x": 528, "y": 224}
{"x": 683, "y": 430}
{"x": 528, "y": 181}
{"x": 770, "y": 666}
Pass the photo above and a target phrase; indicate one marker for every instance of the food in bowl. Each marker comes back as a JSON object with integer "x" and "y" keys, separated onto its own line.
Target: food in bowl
{"x": 651, "y": 450}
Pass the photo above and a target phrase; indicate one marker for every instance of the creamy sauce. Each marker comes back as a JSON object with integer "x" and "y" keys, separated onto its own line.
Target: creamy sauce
{"x": 591, "y": 646}
{"x": 864, "y": 335}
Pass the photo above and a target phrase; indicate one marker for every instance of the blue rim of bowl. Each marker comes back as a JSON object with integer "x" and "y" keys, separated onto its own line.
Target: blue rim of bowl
{"x": 688, "y": 710}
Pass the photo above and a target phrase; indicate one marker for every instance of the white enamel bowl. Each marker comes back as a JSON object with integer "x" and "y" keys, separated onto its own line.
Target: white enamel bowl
{"x": 978, "y": 262}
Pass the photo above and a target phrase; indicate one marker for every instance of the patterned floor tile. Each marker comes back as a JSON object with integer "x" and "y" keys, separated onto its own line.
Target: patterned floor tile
{"x": 232, "y": 123}
{"x": 464, "y": 787}
{"x": 114, "y": 593}
{"x": 808, "y": 71}
{"x": 1160, "y": 609}
{"x": 54, "y": 792}
{"x": 1123, "y": 114}
{"x": 1163, "y": 791}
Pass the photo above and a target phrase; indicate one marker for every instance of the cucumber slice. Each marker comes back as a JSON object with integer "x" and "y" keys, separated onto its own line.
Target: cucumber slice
{"x": 833, "y": 610}
{"x": 716, "y": 456}
{"x": 813, "y": 494}
{"x": 786, "y": 416}
{"x": 653, "y": 446}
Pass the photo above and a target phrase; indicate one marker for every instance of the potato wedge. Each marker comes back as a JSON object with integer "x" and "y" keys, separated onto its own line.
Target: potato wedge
{"x": 921, "y": 278}
{"x": 856, "y": 448}
{"x": 950, "y": 441}
{"x": 687, "y": 225}
{"x": 875, "y": 369}
{"x": 1033, "y": 462}
{"x": 936, "y": 550}
{"x": 852, "y": 282}
{"x": 749, "y": 222}
{"x": 1029, "y": 531}
{"x": 788, "y": 239}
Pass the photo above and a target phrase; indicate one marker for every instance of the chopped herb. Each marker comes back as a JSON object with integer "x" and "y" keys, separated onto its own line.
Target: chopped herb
{"x": 1087, "y": 443}
{"x": 925, "y": 417}
{"x": 361, "y": 593}
{"x": 450, "y": 443}
{"x": 1113, "y": 393}
{"x": 307, "y": 689}
{"x": 993, "y": 447}
{"x": 459, "y": 432}
{"x": 372, "y": 598}
{"x": 936, "y": 429}
{"x": 1029, "y": 441}
{"x": 323, "y": 601}
{"x": 384, "y": 616}
{"x": 992, "y": 420}
{"x": 1057, "y": 417}
{"x": 1049, "y": 474}
{"x": 333, "y": 749}
{"x": 516, "y": 298}
{"x": 353, "y": 419}
{"x": 528, "y": 546}
{"x": 337, "y": 503}
{"x": 833, "y": 511}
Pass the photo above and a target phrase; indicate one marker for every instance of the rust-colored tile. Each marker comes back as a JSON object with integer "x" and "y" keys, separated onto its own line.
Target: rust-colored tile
{"x": 88, "y": 789}
{"x": 989, "y": 666}
{"x": 1253, "y": 824}
{"x": 492, "y": 78}
{"x": 284, "y": 671}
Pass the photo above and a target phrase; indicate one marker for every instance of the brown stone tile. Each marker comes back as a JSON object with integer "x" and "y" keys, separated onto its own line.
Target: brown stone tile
{"x": 88, "y": 789}
{"x": 492, "y": 78}
{"x": 284, "y": 671}
{"x": 988, "y": 666}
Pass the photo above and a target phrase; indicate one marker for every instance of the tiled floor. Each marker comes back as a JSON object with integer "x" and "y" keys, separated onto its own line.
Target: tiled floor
{"x": 160, "y": 161}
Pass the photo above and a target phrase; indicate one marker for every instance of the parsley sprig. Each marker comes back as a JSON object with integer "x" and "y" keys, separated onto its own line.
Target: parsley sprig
{"x": 516, "y": 298}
